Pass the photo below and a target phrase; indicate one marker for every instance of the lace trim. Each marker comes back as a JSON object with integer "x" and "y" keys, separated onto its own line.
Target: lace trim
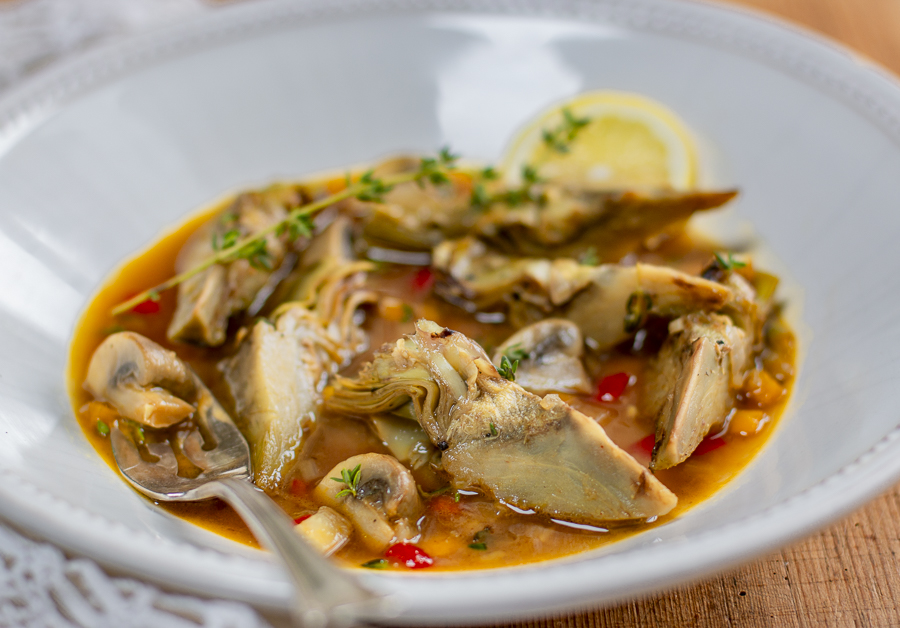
{"x": 40, "y": 587}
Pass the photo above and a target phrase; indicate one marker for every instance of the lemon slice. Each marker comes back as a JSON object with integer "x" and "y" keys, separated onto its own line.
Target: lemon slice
{"x": 622, "y": 140}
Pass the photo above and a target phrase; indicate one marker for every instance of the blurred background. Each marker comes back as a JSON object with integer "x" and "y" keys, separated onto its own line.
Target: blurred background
{"x": 33, "y": 32}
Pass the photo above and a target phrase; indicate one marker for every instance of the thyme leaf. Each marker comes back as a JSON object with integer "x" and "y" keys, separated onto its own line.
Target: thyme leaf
{"x": 349, "y": 478}
{"x": 589, "y": 257}
{"x": 508, "y": 368}
{"x": 516, "y": 352}
{"x": 232, "y": 245}
{"x": 729, "y": 263}
{"x": 560, "y": 137}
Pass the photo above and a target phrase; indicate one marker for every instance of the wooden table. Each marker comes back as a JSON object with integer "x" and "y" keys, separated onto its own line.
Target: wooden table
{"x": 848, "y": 574}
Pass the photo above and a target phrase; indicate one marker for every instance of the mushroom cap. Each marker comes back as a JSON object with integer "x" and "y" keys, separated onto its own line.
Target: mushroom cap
{"x": 143, "y": 381}
{"x": 386, "y": 498}
{"x": 552, "y": 350}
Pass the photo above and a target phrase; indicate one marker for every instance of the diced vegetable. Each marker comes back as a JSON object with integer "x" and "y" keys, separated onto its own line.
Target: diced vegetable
{"x": 647, "y": 444}
{"x": 298, "y": 487}
{"x": 423, "y": 279}
{"x": 146, "y": 307}
{"x": 445, "y": 506}
{"x": 301, "y": 519}
{"x": 408, "y": 555}
{"x": 708, "y": 444}
{"x": 748, "y": 422}
{"x": 611, "y": 387}
{"x": 762, "y": 390}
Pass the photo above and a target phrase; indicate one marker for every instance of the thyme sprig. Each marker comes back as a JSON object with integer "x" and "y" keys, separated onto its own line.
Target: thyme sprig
{"x": 565, "y": 133}
{"x": 562, "y": 135}
{"x": 516, "y": 352}
{"x": 252, "y": 247}
{"x": 508, "y": 368}
{"x": 729, "y": 263}
{"x": 482, "y": 200}
{"x": 350, "y": 478}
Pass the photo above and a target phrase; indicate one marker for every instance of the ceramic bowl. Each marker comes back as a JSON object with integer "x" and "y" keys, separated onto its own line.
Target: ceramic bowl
{"x": 101, "y": 154}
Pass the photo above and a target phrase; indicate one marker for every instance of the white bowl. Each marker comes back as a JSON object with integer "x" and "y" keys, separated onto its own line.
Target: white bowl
{"x": 100, "y": 154}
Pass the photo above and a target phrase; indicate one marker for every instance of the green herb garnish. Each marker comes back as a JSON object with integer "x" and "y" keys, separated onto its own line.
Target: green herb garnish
{"x": 489, "y": 173}
{"x": 478, "y": 541}
{"x": 508, "y": 368}
{"x": 103, "y": 428}
{"x": 378, "y": 563}
{"x": 589, "y": 257}
{"x": 516, "y": 352}
{"x": 493, "y": 429}
{"x": 252, "y": 247}
{"x": 350, "y": 478}
{"x": 408, "y": 313}
{"x": 636, "y": 310}
{"x": 564, "y": 134}
{"x": 729, "y": 263}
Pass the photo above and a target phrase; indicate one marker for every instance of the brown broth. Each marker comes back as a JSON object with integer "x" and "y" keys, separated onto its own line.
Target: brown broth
{"x": 448, "y": 527}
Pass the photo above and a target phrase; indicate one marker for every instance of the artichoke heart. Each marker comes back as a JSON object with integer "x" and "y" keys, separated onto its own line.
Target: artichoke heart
{"x": 527, "y": 451}
{"x": 277, "y": 376}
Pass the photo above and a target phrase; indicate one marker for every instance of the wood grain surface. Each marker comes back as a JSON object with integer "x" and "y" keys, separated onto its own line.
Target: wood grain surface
{"x": 848, "y": 574}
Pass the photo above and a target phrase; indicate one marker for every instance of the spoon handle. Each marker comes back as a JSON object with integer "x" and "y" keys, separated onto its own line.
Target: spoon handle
{"x": 324, "y": 595}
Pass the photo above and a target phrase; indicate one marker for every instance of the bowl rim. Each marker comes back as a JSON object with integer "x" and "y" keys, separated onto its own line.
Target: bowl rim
{"x": 539, "y": 587}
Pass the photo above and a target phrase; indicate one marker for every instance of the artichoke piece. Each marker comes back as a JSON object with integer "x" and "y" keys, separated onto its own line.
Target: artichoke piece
{"x": 207, "y": 300}
{"x": 570, "y": 218}
{"x": 415, "y": 216}
{"x": 529, "y": 452}
{"x": 689, "y": 385}
{"x": 277, "y": 376}
{"x": 608, "y": 303}
{"x": 549, "y": 354}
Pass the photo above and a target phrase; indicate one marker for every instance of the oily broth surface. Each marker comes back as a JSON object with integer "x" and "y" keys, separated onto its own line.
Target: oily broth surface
{"x": 448, "y": 527}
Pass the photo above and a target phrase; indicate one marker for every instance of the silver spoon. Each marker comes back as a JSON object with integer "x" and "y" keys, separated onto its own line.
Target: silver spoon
{"x": 324, "y": 595}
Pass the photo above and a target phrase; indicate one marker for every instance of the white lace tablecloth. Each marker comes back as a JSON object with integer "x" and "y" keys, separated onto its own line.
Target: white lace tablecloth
{"x": 39, "y": 586}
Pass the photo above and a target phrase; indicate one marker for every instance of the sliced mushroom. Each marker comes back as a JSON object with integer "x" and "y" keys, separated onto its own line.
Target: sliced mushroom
{"x": 383, "y": 506}
{"x": 142, "y": 380}
{"x": 207, "y": 300}
{"x": 326, "y": 530}
{"x": 689, "y": 385}
{"x": 496, "y": 437}
{"x": 549, "y": 354}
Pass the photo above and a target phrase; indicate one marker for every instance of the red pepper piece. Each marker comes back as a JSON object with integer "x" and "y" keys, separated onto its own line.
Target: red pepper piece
{"x": 298, "y": 487}
{"x": 423, "y": 279}
{"x": 146, "y": 307}
{"x": 409, "y": 555}
{"x": 301, "y": 519}
{"x": 445, "y": 506}
{"x": 708, "y": 444}
{"x": 611, "y": 387}
{"x": 647, "y": 444}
